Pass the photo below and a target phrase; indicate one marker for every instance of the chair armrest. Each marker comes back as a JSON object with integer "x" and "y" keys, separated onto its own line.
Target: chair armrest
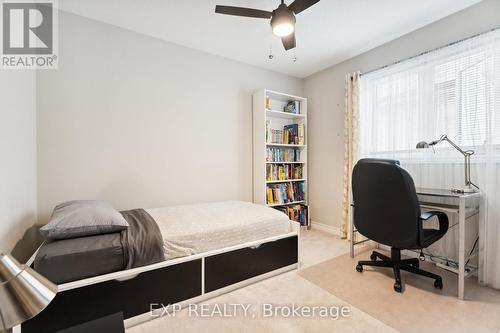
{"x": 442, "y": 217}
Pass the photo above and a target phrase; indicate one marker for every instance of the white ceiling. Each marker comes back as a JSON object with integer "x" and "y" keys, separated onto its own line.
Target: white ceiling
{"x": 328, "y": 33}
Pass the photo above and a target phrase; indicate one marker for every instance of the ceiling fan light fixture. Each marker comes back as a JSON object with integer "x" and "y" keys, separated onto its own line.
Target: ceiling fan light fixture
{"x": 283, "y": 29}
{"x": 283, "y": 21}
{"x": 282, "y": 18}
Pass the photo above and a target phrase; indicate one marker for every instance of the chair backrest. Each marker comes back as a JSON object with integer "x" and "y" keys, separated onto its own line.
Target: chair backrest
{"x": 386, "y": 207}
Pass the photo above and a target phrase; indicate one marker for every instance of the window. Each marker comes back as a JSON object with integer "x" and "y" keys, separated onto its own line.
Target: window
{"x": 453, "y": 91}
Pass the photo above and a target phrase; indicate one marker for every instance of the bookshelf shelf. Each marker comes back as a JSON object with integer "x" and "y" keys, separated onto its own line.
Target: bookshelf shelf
{"x": 285, "y": 181}
{"x": 287, "y": 204}
{"x": 285, "y": 145}
{"x": 285, "y": 115}
{"x": 280, "y": 136}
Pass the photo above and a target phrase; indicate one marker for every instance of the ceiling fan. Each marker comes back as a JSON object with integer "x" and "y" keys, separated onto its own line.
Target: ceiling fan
{"x": 282, "y": 18}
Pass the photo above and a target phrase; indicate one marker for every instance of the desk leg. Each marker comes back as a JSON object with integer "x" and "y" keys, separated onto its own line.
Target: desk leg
{"x": 351, "y": 230}
{"x": 461, "y": 248}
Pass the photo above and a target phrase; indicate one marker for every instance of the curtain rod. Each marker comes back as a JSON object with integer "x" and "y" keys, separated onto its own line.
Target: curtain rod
{"x": 429, "y": 51}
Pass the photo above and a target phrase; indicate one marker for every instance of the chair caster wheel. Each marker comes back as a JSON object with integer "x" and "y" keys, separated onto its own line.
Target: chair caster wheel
{"x": 359, "y": 268}
{"x": 373, "y": 257}
{"x": 398, "y": 287}
{"x": 438, "y": 284}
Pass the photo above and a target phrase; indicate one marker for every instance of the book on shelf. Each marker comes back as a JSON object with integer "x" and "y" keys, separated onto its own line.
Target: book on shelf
{"x": 298, "y": 213}
{"x": 301, "y": 134}
{"x": 293, "y": 134}
{"x": 280, "y": 154}
{"x": 279, "y": 194}
{"x": 292, "y": 107}
{"x": 276, "y": 136}
{"x": 283, "y": 172}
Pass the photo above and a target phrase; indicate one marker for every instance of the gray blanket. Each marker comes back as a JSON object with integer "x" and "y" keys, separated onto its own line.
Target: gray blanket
{"x": 79, "y": 258}
{"x": 142, "y": 241}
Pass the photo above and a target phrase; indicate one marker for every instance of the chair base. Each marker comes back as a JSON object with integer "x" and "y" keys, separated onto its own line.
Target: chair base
{"x": 397, "y": 264}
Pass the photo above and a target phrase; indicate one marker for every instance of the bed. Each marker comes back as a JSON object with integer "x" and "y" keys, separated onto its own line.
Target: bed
{"x": 207, "y": 249}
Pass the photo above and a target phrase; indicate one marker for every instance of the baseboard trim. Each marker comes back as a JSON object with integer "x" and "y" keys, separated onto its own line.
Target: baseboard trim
{"x": 325, "y": 228}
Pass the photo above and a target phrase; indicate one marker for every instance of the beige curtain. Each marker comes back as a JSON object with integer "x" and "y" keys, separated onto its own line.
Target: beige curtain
{"x": 350, "y": 144}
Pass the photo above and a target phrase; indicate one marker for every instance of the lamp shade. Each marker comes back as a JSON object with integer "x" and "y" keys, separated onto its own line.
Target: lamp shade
{"x": 23, "y": 292}
{"x": 422, "y": 144}
{"x": 283, "y": 21}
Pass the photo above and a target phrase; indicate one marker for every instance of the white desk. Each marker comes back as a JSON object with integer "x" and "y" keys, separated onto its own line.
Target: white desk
{"x": 466, "y": 205}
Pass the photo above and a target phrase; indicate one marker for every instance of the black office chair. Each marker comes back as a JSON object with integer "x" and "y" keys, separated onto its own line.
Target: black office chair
{"x": 386, "y": 210}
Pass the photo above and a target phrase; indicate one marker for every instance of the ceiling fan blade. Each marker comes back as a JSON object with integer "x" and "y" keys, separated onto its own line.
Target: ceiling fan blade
{"x": 289, "y": 41}
{"x": 241, "y": 11}
{"x": 300, "y": 5}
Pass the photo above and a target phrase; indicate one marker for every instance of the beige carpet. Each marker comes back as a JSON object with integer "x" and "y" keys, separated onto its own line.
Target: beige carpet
{"x": 288, "y": 288}
{"x": 420, "y": 308}
{"x": 285, "y": 289}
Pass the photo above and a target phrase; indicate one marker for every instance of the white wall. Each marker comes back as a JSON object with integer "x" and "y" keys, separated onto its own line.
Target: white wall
{"x": 17, "y": 155}
{"x": 142, "y": 122}
{"x": 325, "y": 91}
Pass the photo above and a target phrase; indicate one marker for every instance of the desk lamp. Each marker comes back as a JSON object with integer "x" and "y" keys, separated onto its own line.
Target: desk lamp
{"x": 23, "y": 292}
{"x": 469, "y": 186}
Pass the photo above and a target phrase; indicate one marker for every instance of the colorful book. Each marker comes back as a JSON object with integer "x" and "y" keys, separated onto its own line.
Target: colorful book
{"x": 285, "y": 193}
{"x": 298, "y": 213}
{"x": 279, "y": 154}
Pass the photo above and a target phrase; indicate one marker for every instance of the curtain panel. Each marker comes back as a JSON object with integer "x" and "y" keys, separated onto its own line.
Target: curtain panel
{"x": 454, "y": 90}
{"x": 351, "y": 144}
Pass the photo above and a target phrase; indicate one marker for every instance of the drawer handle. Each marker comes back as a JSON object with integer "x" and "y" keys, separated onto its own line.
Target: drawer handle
{"x": 126, "y": 278}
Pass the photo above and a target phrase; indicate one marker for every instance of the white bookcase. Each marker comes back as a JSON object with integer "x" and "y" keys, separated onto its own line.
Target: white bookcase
{"x": 272, "y": 114}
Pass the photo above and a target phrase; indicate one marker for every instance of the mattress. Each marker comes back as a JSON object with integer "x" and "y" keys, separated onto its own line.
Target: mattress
{"x": 79, "y": 258}
{"x": 185, "y": 230}
{"x": 193, "y": 229}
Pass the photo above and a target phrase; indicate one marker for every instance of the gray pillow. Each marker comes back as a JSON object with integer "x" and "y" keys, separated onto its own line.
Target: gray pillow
{"x": 83, "y": 218}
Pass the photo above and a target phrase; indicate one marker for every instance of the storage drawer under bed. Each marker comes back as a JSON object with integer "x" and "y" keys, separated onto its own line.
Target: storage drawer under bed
{"x": 167, "y": 285}
{"x": 222, "y": 270}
